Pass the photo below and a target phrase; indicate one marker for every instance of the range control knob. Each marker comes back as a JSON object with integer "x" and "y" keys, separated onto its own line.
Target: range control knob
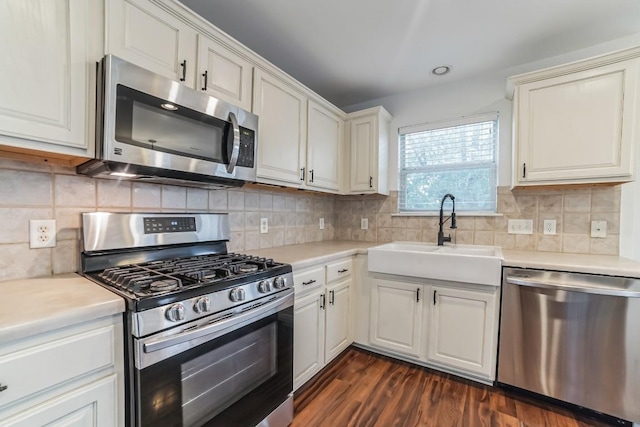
{"x": 175, "y": 313}
{"x": 280, "y": 283}
{"x": 236, "y": 294}
{"x": 264, "y": 287}
{"x": 202, "y": 305}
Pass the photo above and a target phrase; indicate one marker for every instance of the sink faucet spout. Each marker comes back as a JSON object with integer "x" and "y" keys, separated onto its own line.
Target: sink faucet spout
{"x": 441, "y": 236}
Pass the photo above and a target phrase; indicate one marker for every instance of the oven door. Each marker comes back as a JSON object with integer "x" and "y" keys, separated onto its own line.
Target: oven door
{"x": 232, "y": 372}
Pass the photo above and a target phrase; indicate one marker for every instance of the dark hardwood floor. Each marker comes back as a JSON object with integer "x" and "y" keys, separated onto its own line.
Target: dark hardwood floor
{"x": 364, "y": 389}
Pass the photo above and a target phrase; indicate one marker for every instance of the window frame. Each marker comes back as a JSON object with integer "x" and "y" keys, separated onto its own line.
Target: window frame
{"x": 442, "y": 124}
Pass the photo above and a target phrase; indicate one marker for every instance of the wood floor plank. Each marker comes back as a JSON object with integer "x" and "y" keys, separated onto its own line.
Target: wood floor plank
{"x": 362, "y": 389}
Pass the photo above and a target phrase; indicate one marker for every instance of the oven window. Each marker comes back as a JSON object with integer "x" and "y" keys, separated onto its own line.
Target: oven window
{"x": 142, "y": 120}
{"x": 215, "y": 380}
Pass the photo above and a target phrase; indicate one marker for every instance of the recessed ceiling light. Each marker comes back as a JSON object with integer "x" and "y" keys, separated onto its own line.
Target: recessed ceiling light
{"x": 441, "y": 70}
{"x": 169, "y": 107}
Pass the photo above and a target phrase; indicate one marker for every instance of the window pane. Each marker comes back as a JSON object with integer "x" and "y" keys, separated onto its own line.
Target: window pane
{"x": 459, "y": 159}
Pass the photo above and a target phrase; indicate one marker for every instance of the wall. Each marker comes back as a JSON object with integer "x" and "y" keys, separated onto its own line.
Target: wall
{"x": 41, "y": 191}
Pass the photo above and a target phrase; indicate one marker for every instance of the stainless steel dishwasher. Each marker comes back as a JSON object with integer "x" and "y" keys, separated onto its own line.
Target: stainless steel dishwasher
{"x": 573, "y": 337}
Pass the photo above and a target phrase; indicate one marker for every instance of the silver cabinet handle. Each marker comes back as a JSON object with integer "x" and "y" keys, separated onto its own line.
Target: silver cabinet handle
{"x": 344, "y": 270}
{"x": 584, "y": 288}
{"x": 323, "y": 301}
{"x": 309, "y": 282}
{"x": 332, "y": 297}
{"x": 3, "y": 387}
{"x": 302, "y": 173}
{"x": 235, "y": 152}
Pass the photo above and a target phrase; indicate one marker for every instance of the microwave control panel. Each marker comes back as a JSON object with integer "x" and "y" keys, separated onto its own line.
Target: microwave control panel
{"x": 247, "y": 148}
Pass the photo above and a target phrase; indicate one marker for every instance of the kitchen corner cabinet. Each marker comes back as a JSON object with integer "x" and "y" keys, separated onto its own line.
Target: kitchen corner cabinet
{"x": 577, "y": 123}
{"x": 47, "y": 81}
{"x": 461, "y": 326}
{"x": 75, "y": 377}
{"x": 368, "y": 136}
{"x": 145, "y": 34}
{"x": 396, "y": 316}
{"x": 322, "y": 317}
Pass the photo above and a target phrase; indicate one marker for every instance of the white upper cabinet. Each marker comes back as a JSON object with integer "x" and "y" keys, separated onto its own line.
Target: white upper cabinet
{"x": 47, "y": 76}
{"x": 282, "y": 130}
{"x": 368, "y": 151}
{"x": 145, "y": 35}
{"x": 224, "y": 74}
{"x": 324, "y": 144}
{"x": 577, "y": 123}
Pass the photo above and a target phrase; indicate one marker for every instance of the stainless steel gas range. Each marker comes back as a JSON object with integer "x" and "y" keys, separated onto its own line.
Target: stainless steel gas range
{"x": 209, "y": 334}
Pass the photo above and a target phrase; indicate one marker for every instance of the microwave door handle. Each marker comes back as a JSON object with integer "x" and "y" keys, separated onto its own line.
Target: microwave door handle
{"x": 236, "y": 143}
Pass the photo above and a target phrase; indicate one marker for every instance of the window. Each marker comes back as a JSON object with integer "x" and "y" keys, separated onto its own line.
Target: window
{"x": 457, "y": 157}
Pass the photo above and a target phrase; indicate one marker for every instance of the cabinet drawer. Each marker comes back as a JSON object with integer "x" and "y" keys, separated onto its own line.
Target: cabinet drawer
{"x": 42, "y": 366}
{"x": 338, "y": 270}
{"x": 308, "y": 279}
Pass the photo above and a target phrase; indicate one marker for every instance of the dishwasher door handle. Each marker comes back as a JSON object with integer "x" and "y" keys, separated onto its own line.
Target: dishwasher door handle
{"x": 573, "y": 287}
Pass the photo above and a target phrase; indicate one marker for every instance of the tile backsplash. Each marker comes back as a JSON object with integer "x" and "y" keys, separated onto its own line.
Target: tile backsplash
{"x": 42, "y": 191}
{"x": 573, "y": 210}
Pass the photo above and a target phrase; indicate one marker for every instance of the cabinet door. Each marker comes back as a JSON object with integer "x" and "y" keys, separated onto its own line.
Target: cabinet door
{"x": 338, "y": 322}
{"x": 363, "y": 154}
{"x": 47, "y": 75}
{"x": 462, "y": 331}
{"x": 577, "y": 127}
{"x": 323, "y": 148}
{"x": 228, "y": 76}
{"x": 282, "y": 130}
{"x": 91, "y": 405}
{"x": 308, "y": 337}
{"x": 145, "y": 35}
{"x": 396, "y": 316}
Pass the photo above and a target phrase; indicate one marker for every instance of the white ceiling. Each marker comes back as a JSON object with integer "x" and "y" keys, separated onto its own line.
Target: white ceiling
{"x": 350, "y": 51}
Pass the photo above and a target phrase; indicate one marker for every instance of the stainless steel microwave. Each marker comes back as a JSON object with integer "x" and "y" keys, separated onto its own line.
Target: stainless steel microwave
{"x": 154, "y": 129}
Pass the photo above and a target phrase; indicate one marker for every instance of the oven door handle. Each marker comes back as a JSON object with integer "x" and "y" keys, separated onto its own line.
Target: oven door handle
{"x": 220, "y": 326}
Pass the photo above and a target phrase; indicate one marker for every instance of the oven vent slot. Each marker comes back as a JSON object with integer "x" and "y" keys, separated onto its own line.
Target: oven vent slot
{"x": 252, "y": 306}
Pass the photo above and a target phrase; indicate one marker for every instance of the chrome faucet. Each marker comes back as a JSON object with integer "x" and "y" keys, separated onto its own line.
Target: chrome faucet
{"x": 441, "y": 238}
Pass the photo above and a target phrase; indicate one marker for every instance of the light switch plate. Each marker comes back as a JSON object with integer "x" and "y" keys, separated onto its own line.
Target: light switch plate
{"x": 264, "y": 225}
{"x": 364, "y": 223}
{"x": 599, "y": 229}
{"x": 520, "y": 226}
{"x": 321, "y": 223}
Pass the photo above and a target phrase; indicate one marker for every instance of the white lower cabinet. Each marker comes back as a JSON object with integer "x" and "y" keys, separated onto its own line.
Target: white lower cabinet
{"x": 68, "y": 377}
{"x": 461, "y": 330}
{"x": 322, "y": 317}
{"x": 444, "y": 325}
{"x": 308, "y": 337}
{"x": 396, "y": 316}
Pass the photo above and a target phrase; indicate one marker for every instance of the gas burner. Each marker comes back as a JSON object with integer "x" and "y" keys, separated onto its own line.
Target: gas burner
{"x": 247, "y": 268}
{"x": 164, "y": 285}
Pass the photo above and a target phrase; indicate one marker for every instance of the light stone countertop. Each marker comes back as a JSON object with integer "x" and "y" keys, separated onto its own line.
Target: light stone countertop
{"x": 33, "y": 306}
{"x": 582, "y": 263}
{"x": 301, "y": 256}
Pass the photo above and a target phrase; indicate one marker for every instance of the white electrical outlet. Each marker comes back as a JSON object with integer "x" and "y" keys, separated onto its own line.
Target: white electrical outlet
{"x": 520, "y": 226}
{"x": 42, "y": 233}
{"x": 264, "y": 225}
{"x": 321, "y": 223}
{"x": 364, "y": 223}
{"x": 599, "y": 229}
{"x": 549, "y": 226}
